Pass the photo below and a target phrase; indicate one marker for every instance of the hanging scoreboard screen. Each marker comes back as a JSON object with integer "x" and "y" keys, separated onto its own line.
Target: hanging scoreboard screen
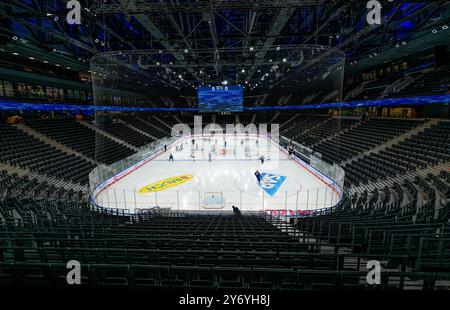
{"x": 220, "y": 99}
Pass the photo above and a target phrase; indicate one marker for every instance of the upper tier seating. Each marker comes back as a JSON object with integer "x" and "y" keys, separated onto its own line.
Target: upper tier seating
{"x": 430, "y": 83}
{"x": 82, "y": 139}
{"x": 374, "y": 89}
{"x": 20, "y": 149}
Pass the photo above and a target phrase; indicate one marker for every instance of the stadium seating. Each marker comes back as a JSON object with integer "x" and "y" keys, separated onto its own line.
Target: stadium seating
{"x": 148, "y": 127}
{"x": 29, "y": 153}
{"x": 325, "y": 130}
{"x": 430, "y": 83}
{"x": 14, "y": 186}
{"x": 220, "y": 251}
{"x": 107, "y": 173}
{"x": 374, "y": 89}
{"x": 404, "y": 226}
{"x": 363, "y": 137}
{"x": 424, "y": 149}
{"x": 125, "y": 133}
{"x": 82, "y": 139}
{"x": 302, "y": 123}
{"x": 441, "y": 182}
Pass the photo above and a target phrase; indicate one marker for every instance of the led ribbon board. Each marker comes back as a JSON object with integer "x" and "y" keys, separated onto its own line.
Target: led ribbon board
{"x": 410, "y": 101}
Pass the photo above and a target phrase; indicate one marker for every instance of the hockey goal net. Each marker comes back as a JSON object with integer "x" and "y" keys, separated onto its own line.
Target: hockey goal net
{"x": 213, "y": 200}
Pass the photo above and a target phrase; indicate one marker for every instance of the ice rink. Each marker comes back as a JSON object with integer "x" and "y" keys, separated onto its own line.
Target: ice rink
{"x": 217, "y": 173}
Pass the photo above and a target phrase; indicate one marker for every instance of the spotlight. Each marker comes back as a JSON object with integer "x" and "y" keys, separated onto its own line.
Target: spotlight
{"x": 284, "y": 59}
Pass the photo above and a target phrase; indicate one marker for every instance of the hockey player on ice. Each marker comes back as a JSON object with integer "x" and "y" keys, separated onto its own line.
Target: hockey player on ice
{"x": 258, "y": 176}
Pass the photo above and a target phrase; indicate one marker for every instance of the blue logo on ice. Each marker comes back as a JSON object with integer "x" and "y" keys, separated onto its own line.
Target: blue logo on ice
{"x": 271, "y": 182}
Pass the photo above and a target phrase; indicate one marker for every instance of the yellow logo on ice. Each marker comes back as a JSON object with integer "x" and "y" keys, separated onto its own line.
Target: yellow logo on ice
{"x": 166, "y": 183}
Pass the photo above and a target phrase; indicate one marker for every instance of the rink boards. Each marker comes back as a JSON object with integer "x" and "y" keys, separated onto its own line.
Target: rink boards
{"x": 289, "y": 187}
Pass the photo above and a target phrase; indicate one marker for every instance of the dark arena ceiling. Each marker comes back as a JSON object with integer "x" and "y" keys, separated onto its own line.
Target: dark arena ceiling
{"x": 255, "y": 43}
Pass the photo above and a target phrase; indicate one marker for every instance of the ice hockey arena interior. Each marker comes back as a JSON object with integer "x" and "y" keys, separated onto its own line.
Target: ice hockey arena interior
{"x": 239, "y": 145}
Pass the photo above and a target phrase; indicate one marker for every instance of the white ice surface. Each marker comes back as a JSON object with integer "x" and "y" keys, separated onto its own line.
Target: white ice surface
{"x": 225, "y": 181}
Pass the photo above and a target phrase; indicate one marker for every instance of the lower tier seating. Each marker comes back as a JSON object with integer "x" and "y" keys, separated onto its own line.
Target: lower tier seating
{"x": 218, "y": 251}
{"x": 17, "y": 148}
{"x": 374, "y": 132}
{"x": 82, "y": 139}
{"x": 427, "y": 148}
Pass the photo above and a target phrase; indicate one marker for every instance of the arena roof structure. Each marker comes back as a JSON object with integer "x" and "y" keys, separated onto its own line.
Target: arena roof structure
{"x": 210, "y": 41}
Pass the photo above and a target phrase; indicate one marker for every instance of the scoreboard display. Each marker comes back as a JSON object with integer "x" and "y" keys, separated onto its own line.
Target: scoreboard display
{"x": 220, "y": 99}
